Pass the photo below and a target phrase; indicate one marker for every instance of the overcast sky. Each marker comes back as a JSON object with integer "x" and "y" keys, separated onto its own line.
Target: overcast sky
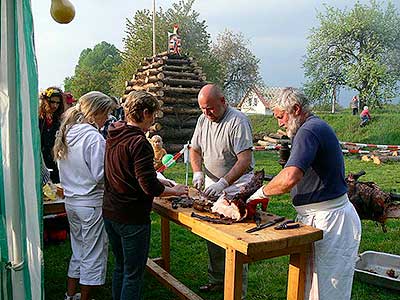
{"x": 277, "y": 30}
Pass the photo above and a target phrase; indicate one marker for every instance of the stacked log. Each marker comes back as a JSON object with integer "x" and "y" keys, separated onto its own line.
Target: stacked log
{"x": 176, "y": 81}
{"x": 274, "y": 138}
{"x": 379, "y": 157}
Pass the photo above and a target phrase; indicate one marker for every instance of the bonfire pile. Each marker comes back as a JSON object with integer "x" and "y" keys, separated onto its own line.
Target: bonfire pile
{"x": 176, "y": 81}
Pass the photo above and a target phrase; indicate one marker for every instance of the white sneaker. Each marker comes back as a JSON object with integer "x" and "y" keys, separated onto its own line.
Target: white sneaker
{"x": 77, "y": 296}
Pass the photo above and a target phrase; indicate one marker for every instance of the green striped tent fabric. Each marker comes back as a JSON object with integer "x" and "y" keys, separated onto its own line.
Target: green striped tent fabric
{"x": 21, "y": 274}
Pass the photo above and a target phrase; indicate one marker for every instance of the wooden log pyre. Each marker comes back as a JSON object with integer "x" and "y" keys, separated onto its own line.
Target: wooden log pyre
{"x": 180, "y": 110}
{"x": 188, "y": 101}
{"x": 183, "y": 82}
{"x": 155, "y": 78}
{"x": 178, "y": 90}
{"x": 175, "y": 80}
{"x": 184, "y": 75}
{"x": 179, "y": 62}
{"x": 186, "y": 122}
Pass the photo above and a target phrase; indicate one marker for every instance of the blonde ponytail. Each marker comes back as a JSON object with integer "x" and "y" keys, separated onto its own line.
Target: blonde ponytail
{"x": 88, "y": 107}
{"x": 71, "y": 116}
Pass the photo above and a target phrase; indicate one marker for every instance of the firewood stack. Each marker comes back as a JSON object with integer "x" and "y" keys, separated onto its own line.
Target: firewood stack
{"x": 274, "y": 138}
{"x": 176, "y": 81}
{"x": 383, "y": 156}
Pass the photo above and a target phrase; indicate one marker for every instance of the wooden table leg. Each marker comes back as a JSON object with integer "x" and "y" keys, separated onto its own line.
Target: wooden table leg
{"x": 297, "y": 275}
{"x": 233, "y": 275}
{"x": 165, "y": 244}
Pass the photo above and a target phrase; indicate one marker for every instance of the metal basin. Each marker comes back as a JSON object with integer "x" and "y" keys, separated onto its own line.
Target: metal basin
{"x": 379, "y": 268}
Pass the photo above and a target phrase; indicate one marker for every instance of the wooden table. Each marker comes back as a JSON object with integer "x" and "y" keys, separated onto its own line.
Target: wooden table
{"x": 53, "y": 207}
{"x": 240, "y": 247}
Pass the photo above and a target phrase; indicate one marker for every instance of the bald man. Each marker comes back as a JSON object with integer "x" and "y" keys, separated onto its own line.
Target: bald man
{"x": 222, "y": 142}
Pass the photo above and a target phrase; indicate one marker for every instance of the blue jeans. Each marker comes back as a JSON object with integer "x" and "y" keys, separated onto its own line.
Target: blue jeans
{"x": 130, "y": 245}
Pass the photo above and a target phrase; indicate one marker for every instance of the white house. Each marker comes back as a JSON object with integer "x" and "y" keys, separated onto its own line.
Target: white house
{"x": 256, "y": 100}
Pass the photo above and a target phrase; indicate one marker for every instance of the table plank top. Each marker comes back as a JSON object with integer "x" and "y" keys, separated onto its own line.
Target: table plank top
{"x": 234, "y": 235}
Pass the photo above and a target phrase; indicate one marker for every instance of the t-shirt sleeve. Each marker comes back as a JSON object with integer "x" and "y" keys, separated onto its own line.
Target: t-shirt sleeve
{"x": 195, "y": 143}
{"x": 304, "y": 149}
{"x": 242, "y": 137}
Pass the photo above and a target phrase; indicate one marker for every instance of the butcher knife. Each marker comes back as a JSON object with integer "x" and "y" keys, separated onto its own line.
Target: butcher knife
{"x": 265, "y": 225}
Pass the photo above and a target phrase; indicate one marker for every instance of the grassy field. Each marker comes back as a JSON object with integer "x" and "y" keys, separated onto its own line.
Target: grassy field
{"x": 383, "y": 129}
{"x": 267, "y": 279}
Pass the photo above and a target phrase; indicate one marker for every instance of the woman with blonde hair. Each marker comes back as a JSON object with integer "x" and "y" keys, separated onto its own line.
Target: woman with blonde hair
{"x": 130, "y": 185}
{"x": 79, "y": 150}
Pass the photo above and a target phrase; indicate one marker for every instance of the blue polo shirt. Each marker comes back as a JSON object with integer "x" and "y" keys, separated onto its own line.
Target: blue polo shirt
{"x": 317, "y": 152}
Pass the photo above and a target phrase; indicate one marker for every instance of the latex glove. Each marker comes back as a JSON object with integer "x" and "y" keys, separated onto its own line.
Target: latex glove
{"x": 216, "y": 188}
{"x": 198, "y": 180}
{"x": 256, "y": 198}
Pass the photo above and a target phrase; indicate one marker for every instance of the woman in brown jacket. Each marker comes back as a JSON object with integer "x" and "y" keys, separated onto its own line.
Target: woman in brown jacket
{"x": 130, "y": 185}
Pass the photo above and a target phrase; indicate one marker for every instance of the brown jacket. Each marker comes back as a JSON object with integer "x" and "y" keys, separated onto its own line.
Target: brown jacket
{"x": 130, "y": 179}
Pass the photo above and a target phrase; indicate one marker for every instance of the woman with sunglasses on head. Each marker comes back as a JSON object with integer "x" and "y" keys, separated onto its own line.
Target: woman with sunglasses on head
{"x": 51, "y": 108}
{"x": 79, "y": 150}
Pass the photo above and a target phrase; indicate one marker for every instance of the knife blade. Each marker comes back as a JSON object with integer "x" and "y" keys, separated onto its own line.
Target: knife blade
{"x": 265, "y": 225}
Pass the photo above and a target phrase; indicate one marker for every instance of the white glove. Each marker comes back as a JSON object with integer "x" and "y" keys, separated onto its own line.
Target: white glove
{"x": 216, "y": 188}
{"x": 198, "y": 180}
{"x": 259, "y": 194}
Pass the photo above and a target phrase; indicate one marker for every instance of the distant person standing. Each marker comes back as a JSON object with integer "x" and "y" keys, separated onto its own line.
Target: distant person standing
{"x": 354, "y": 105}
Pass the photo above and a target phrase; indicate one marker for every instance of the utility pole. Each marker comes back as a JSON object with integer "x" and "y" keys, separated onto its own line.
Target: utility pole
{"x": 154, "y": 27}
{"x": 333, "y": 98}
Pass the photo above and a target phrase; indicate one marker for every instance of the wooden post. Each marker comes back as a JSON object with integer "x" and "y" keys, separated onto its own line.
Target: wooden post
{"x": 154, "y": 27}
{"x": 297, "y": 275}
{"x": 165, "y": 244}
{"x": 233, "y": 275}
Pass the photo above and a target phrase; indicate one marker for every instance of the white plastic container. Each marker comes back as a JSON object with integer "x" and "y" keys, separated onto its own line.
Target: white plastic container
{"x": 373, "y": 267}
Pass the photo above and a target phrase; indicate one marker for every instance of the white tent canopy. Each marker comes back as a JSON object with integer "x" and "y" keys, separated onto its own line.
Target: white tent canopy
{"x": 20, "y": 207}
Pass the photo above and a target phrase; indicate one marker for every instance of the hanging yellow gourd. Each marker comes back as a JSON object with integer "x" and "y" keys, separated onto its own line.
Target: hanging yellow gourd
{"x": 62, "y": 11}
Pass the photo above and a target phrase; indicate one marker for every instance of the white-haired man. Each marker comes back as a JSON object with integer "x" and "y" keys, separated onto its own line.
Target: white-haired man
{"x": 315, "y": 176}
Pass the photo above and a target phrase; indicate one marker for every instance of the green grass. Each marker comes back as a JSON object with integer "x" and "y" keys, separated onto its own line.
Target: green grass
{"x": 383, "y": 129}
{"x": 268, "y": 278}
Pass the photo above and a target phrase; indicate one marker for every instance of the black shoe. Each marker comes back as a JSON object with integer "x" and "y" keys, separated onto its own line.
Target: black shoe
{"x": 212, "y": 287}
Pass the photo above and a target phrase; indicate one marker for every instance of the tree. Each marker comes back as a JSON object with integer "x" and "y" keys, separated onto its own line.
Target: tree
{"x": 138, "y": 41}
{"x": 95, "y": 70}
{"x": 239, "y": 67}
{"x": 357, "y": 49}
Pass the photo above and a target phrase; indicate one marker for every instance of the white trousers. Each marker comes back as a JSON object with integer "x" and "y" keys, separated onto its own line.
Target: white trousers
{"x": 89, "y": 243}
{"x": 331, "y": 267}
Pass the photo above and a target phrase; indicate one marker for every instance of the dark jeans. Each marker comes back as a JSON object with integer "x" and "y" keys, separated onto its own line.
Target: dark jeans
{"x": 130, "y": 245}
{"x": 355, "y": 111}
{"x": 364, "y": 121}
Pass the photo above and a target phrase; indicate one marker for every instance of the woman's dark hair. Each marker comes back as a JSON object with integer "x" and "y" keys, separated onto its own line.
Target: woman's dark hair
{"x": 137, "y": 102}
{"x": 45, "y": 96}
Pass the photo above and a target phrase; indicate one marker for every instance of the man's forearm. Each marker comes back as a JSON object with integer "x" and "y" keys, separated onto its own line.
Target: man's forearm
{"x": 195, "y": 160}
{"x": 283, "y": 182}
{"x": 240, "y": 167}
